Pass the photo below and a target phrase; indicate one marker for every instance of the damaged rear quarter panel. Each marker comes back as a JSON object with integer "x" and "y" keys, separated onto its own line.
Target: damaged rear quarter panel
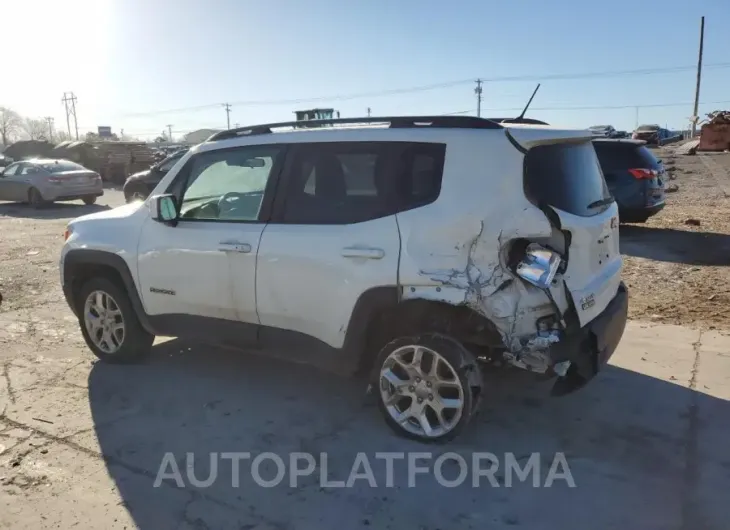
{"x": 454, "y": 250}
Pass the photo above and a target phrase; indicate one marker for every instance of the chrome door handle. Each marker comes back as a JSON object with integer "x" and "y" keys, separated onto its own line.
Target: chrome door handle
{"x": 363, "y": 252}
{"x": 231, "y": 245}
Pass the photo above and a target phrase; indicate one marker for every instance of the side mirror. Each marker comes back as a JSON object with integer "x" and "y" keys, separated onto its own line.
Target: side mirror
{"x": 164, "y": 208}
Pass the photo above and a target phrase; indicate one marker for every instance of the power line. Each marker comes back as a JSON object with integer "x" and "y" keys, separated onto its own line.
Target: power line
{"x": 597, "y": 107}
{"x": 436, "y": 86}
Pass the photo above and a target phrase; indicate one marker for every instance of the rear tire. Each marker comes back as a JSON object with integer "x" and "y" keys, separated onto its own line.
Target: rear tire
{"x": 454, "y": 388}
{"x": 103, "y": 306}
{"x": 89, "y": 200}
{"x": 35, "y": 199}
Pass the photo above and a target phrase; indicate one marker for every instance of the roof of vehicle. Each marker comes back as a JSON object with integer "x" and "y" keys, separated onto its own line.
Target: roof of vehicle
{"x": 47, "y": 161}
{"x": 524, "y": 131}
{"x": 599, "y": 126}
{"x": 392, "y": 122}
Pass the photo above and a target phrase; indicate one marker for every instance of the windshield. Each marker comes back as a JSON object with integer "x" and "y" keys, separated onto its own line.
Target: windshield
{"x": 168, "y": 163}
{"x": 568, "y": 177}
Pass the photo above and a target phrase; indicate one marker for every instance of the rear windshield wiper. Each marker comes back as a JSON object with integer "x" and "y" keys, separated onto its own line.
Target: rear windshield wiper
{"x": 601, "y": 202}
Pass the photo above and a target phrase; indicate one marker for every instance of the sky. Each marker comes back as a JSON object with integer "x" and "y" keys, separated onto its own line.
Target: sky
{"x": 141, "y": 65}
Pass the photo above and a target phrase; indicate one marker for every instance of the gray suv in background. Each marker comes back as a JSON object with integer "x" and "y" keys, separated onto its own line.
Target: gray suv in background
{"x": 40, "y": 181}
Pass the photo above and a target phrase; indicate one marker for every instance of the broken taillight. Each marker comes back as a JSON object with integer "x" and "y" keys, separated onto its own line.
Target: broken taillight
{"x": 539, "y": 266}
{"x": 643, "y": 174}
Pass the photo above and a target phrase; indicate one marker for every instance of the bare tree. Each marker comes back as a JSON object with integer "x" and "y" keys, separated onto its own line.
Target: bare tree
{"x": 36, "y": 129}
{"x": 10, "y": 123}
{"x": 62, "y": 136}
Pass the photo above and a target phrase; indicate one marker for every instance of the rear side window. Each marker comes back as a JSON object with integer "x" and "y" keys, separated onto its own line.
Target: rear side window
{"x": 618, "y": 156}
{"x": 568, "y": 177}
{"x": 352, "y": 182}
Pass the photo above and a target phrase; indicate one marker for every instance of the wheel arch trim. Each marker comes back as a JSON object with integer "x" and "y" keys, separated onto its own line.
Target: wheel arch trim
{"x": 76, "y": 259}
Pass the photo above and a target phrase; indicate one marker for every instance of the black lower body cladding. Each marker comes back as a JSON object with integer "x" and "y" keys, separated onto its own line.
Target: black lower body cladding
{"x": 589, "y": 348}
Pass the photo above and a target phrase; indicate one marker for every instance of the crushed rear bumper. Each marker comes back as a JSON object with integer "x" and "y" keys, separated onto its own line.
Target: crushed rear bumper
{"x": 589, "y": 348}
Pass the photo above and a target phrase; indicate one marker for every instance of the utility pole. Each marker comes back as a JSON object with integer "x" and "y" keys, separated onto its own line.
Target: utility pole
{"x": 169, "y": 132}
{"x": 637, "y": 118}
{"x": 478, "y": 92}
{"x": 68, "y": 97}
{"x": 695, "y": 116}
{"x": 49, "y": 119}
{"x": 368, "y": 112}
{"x": 227, "y": 106}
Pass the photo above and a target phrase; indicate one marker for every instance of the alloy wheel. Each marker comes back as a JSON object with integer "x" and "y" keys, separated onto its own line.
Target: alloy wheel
{"x": 421, "y": 391}
{"x": 104, "y": 322}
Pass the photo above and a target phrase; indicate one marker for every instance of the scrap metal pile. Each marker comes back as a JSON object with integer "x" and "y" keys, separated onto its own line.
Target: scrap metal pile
{"x": 715, "y": 132}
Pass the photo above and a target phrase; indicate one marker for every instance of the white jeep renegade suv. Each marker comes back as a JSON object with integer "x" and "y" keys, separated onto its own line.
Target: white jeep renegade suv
{"x": 411, "y": 249}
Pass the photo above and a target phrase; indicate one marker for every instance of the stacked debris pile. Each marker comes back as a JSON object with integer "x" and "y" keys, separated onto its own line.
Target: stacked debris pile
{"x": 715, "y": 132}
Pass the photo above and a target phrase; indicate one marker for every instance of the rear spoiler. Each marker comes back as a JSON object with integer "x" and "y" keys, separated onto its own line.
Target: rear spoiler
{"x": 525, "y": 138}
{"x": 527, "y": 121}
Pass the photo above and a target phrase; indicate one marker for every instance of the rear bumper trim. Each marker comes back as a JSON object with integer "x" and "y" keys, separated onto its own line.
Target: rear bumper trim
{"x": 589, "y": 348}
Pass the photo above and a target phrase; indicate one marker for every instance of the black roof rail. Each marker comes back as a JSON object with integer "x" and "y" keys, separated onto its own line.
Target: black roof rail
{"x": 530, "y": 121}
{"x": 448, "y": 122}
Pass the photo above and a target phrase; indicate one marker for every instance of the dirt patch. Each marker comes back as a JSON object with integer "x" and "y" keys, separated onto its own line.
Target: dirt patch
{"x": 677, "y": 264}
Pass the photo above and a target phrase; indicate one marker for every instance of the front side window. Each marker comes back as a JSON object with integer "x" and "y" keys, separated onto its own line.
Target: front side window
{"x": 11, "y": 170}
{"x": 228, "y": 185}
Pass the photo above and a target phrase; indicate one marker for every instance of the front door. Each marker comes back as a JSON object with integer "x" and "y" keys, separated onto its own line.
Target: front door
{"x": 198, "y": 277}
{"x": 12, "y": 187}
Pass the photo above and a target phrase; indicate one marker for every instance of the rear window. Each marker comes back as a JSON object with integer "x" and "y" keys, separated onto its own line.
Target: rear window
{"x": 568, "y": 177}
{"x": 621, "y": 156}
{"x": 61, "y": 166}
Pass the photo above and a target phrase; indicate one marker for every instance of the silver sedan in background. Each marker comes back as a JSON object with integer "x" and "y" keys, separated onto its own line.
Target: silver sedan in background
{"x": 39, "y": 181}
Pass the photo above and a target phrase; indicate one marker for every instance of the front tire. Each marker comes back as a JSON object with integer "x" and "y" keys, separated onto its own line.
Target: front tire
{"x": 91, "y": 199}
{"x": 428, "y": 387}
{"x": 109, "y": 323}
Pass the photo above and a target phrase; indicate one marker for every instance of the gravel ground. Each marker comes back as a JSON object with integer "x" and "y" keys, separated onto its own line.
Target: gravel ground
{"x": 677, "y": 264}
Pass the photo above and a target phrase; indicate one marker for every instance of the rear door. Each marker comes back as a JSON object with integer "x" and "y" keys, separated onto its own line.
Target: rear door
{"x": 333, "y": 236}
{"x": 566, "y": 177}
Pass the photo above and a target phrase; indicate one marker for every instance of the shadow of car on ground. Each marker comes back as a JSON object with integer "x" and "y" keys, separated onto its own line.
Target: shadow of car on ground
{"x": 676, "y": 246}
{"x": 632, "y": 453}
{"x": 56, "y": 210}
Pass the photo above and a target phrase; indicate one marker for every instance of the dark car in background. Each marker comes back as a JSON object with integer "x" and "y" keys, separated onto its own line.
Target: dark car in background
{"x": 139, "y": 185}
{"x": 634, "y": 177}
{"x": 603, "y": 131}
{"x": 651, "y": 134}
